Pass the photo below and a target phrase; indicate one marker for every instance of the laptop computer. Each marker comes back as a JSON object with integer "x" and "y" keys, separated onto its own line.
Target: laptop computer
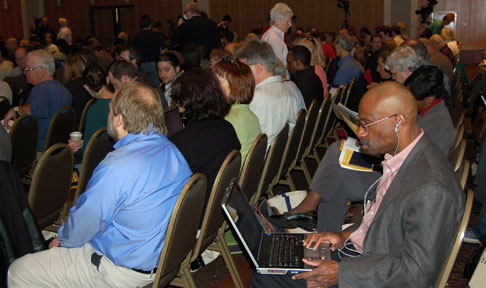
{"x": 271, "y": 253}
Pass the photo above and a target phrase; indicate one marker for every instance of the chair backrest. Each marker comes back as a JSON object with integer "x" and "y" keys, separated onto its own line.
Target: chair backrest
{"x": 82, "y": 122}
{"x": 321, "y": 121}
{"x": 182, "y": 229}
{"x": 213, "y": 216}
{"x": 252, "y": 168}
{"x": 292, "y": 145}
{"x": 446, "y": 267}
{"x": 458, "y": 139}
{"x": 23, "y": 135}
{"x": 457, "y": 155}
{"x": 328, "y": 64}
{"x": 98, "y": 146}
{"x": 272, "y": 162}
{"x": 347, "y": 92}
{"x": 458, "y": 118}
{"x": 331, "y": 119}
{"x": 310, "y": 124}
{"x": 50, "y": 185}
{"x": 464, "y": 174}
{"x": 62, "y": 124}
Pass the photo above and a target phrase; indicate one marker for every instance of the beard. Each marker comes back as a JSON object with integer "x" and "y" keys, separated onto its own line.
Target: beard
{"x": 111, "y": 130}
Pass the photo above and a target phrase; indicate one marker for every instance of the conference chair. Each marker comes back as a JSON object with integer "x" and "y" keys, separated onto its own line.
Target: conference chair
{"x": 251, "y": 171}
{"x": 51, "y": 181}
{"x": 181, "y": 231}
{"x": 23, "y": 135}
{"x": 446, "y": 267}
{"x": 62, "y": 124}
{"x": 457, "y": 155}
{"x": 82, "y": 122}
{"x": 291, "y": 149}
{"x": 305, "y": 141}
{"x": 211, "y": 234}
{"x": 98, "y": 146}
{"x": 319, "y": 129}
{"x": 272, "y": 165}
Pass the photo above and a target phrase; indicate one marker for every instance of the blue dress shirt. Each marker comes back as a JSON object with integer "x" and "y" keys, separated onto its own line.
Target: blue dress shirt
{"x": 348, "y": 69}
{"x": 128, "y": 202}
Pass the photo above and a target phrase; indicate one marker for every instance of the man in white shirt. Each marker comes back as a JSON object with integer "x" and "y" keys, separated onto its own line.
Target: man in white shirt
{"x": 272, "y": 103}
{"x": 281, "y": 20}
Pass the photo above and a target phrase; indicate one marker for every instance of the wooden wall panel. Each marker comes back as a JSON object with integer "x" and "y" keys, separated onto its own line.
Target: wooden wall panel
{"x": 11, "y": 20}
{"x": 324, "y": 15}
{"x": 77, "y": 12}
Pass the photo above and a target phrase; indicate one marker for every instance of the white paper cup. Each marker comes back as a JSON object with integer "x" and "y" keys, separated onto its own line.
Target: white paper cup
{"x": 76, "y": 136}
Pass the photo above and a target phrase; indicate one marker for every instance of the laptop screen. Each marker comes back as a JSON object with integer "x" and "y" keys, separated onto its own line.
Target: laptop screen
{"x": 247, "y": 222}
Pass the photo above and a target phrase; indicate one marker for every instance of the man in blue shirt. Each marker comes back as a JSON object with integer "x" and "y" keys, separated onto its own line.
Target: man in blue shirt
{"x": 47, "y": 96}
{"x": 115, "y": 232}
{"x": 348, "y": 68}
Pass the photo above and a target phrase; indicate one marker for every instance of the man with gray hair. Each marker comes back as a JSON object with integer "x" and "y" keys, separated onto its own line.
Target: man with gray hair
{"x": 402, "y": 62}
{"x": 281, "y": 20}
{"x": 272, "y": 103}
{"x": 348, "y": 68}
{"x": 437, "y": 58}
{"x": 47, "y": 96}
{"x": 65, "y": 32}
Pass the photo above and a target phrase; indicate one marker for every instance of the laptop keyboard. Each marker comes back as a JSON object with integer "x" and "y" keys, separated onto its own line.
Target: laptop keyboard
{"x": 285, "y": 251}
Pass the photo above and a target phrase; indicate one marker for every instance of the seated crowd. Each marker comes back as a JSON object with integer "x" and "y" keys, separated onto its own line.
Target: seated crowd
{"x": 223, "y": 97}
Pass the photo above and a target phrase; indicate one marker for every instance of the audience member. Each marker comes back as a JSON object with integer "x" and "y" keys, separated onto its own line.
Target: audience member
{"x": 73, "y": 81}
{"x": 376, "y": 43}
{"x": 94, "y": 82}
{"x": 281, "y": 70}
{"x": 298, "y": 65}
{"x": 46, "y": 98}
{"x": 150, "y": 44}
{"x": 217, "y": 55}
{"x": 397, "y": 35}
{"x": 238, "y": 86}
{"x": 317, "y": 59}
{"x": 443, "y": 48}
{"x": 169, "y": 68}
{"x": 348, "y": 68}
{"x": 103, "y": 237}
{"x": 272, "y": 102}
{"x": 207, "y": 137}
{"x": 11, "y": 44}
{"x": 131, "y": 54}
{"x": 65, "y": 32}
{"x": 401, "y": 63}
{"x": 413, "y": 242}
{"x": 42, "y": 29}
{"x": 196, "y": 30}
{"x": 438, "y": 59}
{"x": 18, "y": 84}
{"x": 281, "y": 21}
{"x": 102, "y": 57}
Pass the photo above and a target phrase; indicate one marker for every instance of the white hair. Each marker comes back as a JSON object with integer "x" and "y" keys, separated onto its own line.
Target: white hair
{"x": 280, "y": 10}
{"x": 401, "y": 58}
{"x": 42, "y": 58}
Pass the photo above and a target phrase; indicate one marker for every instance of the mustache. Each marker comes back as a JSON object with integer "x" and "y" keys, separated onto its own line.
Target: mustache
{"x": 364, "y": 142}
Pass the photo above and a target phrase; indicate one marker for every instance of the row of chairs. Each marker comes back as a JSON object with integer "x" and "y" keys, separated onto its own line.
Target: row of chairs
{"x": 24, "y": 135}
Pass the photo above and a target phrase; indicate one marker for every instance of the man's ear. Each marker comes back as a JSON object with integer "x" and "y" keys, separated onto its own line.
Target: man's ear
{"x": 401, "y": 121}
{"x": 118, "y": 121}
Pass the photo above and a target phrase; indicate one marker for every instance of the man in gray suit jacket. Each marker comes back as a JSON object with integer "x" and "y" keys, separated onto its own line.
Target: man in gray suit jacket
{"x": 410, "y": 225}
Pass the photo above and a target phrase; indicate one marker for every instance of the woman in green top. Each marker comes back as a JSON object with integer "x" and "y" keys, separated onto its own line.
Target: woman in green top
{"x": 238, "y": 85}
{"x": 95, "y": 82}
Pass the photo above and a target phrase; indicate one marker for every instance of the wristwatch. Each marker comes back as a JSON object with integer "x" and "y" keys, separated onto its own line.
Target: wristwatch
{"x": 16, "y": 110}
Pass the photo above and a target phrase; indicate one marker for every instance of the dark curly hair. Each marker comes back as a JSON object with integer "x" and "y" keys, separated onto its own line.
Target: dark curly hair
{"x": 199, "y": 93}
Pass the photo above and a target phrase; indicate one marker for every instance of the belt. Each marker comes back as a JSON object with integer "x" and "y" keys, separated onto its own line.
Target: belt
{"x": 96, "y": 260}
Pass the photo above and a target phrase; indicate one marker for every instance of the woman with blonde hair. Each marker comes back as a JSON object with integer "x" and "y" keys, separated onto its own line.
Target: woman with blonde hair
{"x": 317, "y": 59}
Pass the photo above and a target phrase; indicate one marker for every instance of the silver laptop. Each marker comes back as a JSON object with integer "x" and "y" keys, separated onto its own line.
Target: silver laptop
{"x": 271, "y": 253}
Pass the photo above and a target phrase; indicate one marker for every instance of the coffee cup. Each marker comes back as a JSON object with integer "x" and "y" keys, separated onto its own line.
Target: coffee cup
{"x": 76, "y": 136}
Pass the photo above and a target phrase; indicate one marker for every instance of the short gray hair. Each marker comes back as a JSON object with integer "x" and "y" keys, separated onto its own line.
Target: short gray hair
{"x": 403, "y": 57}
{"x": 448, "y": 34}
{"x": 42, "y": 58}
{"x": 255, "y": 51}
{"x": 346, "y": 42}
{"x": 280, "y": 10}
{"x": 437, "y": 40}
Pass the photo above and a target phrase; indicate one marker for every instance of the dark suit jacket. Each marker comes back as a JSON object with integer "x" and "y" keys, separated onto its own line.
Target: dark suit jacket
{"x": 309, "y": 85}
{"x": 197, "y": 30}
{"x": 414, "y": 227}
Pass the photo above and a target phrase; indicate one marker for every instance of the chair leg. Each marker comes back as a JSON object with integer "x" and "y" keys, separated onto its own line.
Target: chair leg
{"x": 306, "y": 171}
{"x": 187, "y": 277}
{"x": 228, "y": 259}
{"x": 290, "y": 182}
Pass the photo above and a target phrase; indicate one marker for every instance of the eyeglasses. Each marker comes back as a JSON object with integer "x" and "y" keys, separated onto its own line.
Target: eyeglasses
{"x": 28, "y": 69}
{"x": 360, "y": 123}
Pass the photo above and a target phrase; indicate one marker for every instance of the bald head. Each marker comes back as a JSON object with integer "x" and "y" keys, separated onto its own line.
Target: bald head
{"x": 396, "y": 107}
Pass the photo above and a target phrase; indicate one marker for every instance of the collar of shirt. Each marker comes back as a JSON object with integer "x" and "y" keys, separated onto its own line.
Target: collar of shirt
{"x": 130, "y": 138}
{"x": 279, "y": 32}
{"x": 270, "y": 79}
{"x": 436, "y": 101}
{"x": 394, "y": 162}
{"x": 344, "y": 59}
